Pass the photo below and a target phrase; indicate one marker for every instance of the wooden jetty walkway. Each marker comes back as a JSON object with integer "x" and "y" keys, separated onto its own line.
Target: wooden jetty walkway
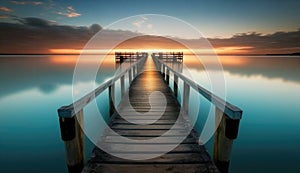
{"x": 149, "y": 123}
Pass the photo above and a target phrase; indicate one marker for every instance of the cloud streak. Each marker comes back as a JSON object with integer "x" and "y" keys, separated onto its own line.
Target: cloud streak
{"x": 4, "y": 16}
{"x": 139, "y": 23}
{"x": 5, "y": 9}
{"x": 27, "y": 2}
{"x": 70, "y": 12}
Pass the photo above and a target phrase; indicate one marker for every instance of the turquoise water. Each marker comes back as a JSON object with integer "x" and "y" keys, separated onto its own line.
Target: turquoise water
{"x": 266, "y": 88}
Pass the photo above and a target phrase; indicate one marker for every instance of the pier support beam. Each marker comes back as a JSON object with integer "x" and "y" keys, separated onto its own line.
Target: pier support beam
{"x": 176, "y": 85}
{"x": 226, "y": 132}
{"x": 111, "y": 97}
{"x": 134, "y": 71}
{"x": 186, "y": 96}
{"x": 168, "y": 76}
{"x": 122, "y": 81}
{"x": 129, "y": 76}
{"x": 73, "y": 137}
{"x": 163, "y": 71}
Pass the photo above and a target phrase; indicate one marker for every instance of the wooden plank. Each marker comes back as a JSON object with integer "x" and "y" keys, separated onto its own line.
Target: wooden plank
{"x": 150, "y": 168}
{"x": 187, "y": 156}
{"x": 150, "y": 148}
{"x": 148, "y": 117}
{"x": 163, "y": 140}
{"x": 169, "y": 158}
{"x": 148, "y": 132}
{"x": 122, "y": 121}
{"x": 145, "y": 127}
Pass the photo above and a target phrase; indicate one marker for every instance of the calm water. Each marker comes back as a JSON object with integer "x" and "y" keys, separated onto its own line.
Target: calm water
{"x": 266, "y": 88}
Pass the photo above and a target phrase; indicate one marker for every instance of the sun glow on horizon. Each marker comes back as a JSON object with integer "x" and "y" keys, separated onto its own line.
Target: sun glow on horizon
{"x": 218, "y": 50}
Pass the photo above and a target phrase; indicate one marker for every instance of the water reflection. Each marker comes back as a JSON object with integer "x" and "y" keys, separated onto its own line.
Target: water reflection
{"x": 283, "y": 67}
{"x": 47, "y": 73}
{"x": 266, "y": 88}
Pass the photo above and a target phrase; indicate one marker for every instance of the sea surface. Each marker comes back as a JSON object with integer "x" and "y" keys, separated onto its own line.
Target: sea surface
{"x": 266, "y": 88}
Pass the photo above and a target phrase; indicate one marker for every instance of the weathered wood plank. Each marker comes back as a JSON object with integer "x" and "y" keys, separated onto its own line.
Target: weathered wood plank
{"x": 187, "y": 156}
{"x": 146, "y": 127}
{"x": 168, "y": 158}
{"x": 149, "y": 132}
{"x": 163, "y": 140}
{"x": 150, "y": 148}
{"x": 122, "y": 121}
{"x": 150, "y": 168}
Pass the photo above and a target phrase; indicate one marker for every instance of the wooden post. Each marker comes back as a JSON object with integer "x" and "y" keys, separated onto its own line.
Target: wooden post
{"x": 163, "y": 71}
{"x": 168, "y": 76}
{"x": 160, "y": 67}
{"x": 226, "y": 132}
{"x": 129, "y": 76}
{"x": 186, "y": 96}
{"x": 73, "y": 137}
{"x": 134, "y": 72}
{"x": 111, "y": 97}
{"x": 138, "y": 68}
{"x": 175, "y": 85}
{"x": 122, "y": 81}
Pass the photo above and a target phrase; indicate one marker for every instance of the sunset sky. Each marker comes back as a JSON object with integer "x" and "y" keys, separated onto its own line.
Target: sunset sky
{"x": 231, "y": 27}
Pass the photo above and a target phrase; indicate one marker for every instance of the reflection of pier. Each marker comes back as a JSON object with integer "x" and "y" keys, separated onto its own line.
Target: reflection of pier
{"x": 169, "y": 56}
{"x": 137, "y": 130}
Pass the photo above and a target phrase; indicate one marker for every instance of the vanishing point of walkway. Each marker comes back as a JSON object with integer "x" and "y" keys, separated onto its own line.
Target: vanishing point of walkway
{"x": 187, "y": 157}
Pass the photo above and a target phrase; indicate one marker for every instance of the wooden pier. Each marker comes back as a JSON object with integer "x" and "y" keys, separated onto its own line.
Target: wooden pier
{"x": 146, "y": 76}
{"x": 169, "y": 56}
{"x": 131, "y": 56}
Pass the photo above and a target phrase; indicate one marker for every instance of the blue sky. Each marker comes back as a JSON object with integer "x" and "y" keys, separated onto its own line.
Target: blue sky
{"x": 213, "y": 18}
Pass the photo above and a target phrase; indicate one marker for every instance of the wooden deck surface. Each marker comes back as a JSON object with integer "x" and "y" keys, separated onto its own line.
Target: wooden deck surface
{"x": 187, "y": 157}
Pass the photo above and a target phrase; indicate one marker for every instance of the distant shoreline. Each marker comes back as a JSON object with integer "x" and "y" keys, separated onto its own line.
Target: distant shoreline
{"x": 290, "y": 54}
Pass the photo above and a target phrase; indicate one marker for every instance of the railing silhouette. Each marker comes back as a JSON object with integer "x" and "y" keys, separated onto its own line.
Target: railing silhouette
{"x": 227, "y": 114}
{"x": 71, "y": 116}
{"x": 169, "y": 56}
{"x": 132, "y": 56}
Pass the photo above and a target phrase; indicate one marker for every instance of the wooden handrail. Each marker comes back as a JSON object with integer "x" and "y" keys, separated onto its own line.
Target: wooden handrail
{"x": 227, "y": 116}
{"x": 71, "y": 110}
{"x": 71, "y": 117}
{"x": 232, "y": 111}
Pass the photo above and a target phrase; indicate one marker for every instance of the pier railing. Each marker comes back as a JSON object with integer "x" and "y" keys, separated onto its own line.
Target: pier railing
{"x": 71, "y": 116}
{"x": 132, "y": 56}
{"x": 227, "y": 116}
{"x": 169, "y": 56}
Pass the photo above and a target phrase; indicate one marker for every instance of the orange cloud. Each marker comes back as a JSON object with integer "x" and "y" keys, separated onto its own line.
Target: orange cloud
{"x": 3, "y": 17}
{"x": 5, "y": 9}
{"x": 71, "y": 12}
{"x": 233, "y": 49}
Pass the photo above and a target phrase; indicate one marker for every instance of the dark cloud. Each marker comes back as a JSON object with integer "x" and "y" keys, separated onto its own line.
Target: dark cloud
{"x": 37, "y": 22}
{"x": 35, "y": 35}
{"x": 278, "y": 42}
{"x": 95, "y": 28}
